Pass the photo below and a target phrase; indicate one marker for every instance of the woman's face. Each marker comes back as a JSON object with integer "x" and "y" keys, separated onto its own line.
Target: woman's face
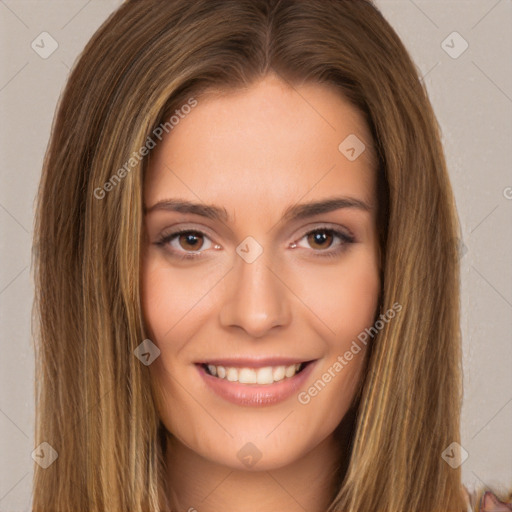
{"x": 260, "y": 289}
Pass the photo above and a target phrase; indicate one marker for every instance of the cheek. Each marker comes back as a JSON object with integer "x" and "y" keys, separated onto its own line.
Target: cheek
{"x": 174, "y": 300}
{"x": 344, "y": 298}
{"x": 169, "y": 299}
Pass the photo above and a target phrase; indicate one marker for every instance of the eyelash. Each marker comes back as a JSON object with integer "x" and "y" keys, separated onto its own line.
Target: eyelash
{"x": 329, "y": 253}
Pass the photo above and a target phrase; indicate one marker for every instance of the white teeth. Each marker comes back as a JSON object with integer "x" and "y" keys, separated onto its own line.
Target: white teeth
{"x": 279, "y": 372}
{"x": 247, "y": 376}
{"x": 265, "y": 375}
{"x": 232, "y": 374}
{"x": 290, "y": 370}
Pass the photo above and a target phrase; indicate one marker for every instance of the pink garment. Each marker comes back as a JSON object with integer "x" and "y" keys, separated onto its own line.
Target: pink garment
{"x": 490, "y": 503}
{"x": 485, "y": 502}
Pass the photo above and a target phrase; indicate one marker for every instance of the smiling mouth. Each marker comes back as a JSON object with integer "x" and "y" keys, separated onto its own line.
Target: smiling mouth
{"x": 264, "y": 375}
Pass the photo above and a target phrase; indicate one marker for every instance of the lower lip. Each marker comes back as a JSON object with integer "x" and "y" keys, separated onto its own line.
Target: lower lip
{"x": 256, "y": 395}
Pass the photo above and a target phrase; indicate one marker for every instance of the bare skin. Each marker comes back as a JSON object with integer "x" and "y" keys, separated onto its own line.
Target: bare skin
{"x": 255, "y": 153}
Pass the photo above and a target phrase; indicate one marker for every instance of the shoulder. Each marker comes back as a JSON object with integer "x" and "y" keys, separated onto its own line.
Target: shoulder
{"x": 483, "y": 500}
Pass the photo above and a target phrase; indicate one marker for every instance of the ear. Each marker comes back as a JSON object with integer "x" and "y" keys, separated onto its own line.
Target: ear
{"x": 490, "y": 503}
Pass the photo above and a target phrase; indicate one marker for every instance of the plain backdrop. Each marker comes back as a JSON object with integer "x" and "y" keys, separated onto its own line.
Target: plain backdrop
{"x": 471, "y": 91}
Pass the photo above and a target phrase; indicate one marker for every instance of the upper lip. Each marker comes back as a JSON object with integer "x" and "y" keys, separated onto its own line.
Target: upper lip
{"x": 245, "y": 362}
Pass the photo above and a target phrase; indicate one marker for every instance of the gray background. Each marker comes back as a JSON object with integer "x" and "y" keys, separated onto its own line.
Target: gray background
{"x": 472, "y": 97}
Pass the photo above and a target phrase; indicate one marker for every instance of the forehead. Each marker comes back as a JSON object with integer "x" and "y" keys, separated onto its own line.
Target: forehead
{"x": 263, "y": 145}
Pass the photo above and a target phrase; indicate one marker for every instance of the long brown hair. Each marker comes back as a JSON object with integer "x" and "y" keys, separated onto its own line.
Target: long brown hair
{"x": 95, "y": 401}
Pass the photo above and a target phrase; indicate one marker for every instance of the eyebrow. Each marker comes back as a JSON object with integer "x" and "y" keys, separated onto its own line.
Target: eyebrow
{"x": 296, "y": 212}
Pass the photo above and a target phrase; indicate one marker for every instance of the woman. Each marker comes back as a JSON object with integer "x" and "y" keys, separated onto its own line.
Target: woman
{"x": 247, "y": 268}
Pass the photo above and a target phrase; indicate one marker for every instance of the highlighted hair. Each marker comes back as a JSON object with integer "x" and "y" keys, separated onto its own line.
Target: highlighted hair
{"x": 95, "y": 401}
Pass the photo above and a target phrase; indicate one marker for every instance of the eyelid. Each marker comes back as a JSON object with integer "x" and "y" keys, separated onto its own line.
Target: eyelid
{"x": 180, "y": 228}
{"x": 317, "y": 226}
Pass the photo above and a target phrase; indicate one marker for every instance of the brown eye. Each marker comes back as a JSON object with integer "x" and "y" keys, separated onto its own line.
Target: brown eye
{"x": 318, "y": 239}
{"x": 186, "y": 243}
{"x": 321, "y": 242}
{"x": 190, "y": 240}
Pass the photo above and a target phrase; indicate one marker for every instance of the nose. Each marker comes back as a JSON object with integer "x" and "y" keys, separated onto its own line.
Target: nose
{"x": 255, "y": 298}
